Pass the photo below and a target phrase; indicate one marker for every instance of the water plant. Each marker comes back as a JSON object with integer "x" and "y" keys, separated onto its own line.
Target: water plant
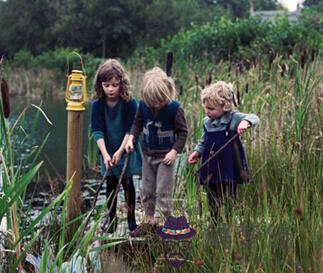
{"x": 42, "y": 237}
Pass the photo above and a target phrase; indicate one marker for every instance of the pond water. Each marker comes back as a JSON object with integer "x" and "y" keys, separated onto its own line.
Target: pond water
{"x": 55, "y": 109}
{"x": 39, "y": 194}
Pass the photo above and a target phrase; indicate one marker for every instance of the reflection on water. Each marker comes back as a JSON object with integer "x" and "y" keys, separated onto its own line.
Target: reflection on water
{"x": 54, "y": 107}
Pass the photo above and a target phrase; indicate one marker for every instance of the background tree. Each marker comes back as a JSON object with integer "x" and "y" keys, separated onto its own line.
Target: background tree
{"x": 157, "y": 19}
{"x": 106, "y": 27}
{"x": 26, "y": 24}
{"x": 309, "y": 3}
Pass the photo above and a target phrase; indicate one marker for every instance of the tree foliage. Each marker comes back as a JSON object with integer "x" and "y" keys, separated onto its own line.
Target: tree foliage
{"x": 100, "y": 27}
{"x": 309, "y": 3}
{"x": 236, "y": 40}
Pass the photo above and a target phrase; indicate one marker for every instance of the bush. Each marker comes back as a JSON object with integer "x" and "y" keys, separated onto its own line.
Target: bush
{"x": 235, "y": 39}
{"x": 24, "y": 59}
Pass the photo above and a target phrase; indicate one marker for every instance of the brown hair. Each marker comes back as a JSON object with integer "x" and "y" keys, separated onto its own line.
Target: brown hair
{"x": 110, "y": 69}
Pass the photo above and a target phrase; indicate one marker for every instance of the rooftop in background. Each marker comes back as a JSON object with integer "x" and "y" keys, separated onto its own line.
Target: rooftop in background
{"x": 269, "y": 15}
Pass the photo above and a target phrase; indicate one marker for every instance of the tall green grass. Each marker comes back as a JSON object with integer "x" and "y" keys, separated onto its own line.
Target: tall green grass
{"x": 45, "y": 234}
{"x": 283, "y": 206}
{"x": 276, "y": 224}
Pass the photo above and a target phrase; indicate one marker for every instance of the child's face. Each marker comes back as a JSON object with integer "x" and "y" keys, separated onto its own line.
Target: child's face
{"x": 111, "y": 89}
{"x": 159, "y": 105}
{"x": 212, "y": 110}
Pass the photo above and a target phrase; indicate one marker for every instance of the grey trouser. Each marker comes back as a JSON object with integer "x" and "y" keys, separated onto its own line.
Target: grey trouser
{"x": 157, "y": 185}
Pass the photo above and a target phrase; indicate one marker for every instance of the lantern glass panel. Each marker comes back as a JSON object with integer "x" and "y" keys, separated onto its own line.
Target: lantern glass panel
{"x": 75, "y": 92}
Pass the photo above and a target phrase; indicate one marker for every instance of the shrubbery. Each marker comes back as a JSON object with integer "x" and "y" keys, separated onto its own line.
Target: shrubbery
{"x": 198, "y": 49}
{"x": 226, "y": 39}
{"x": 58, "y": 62}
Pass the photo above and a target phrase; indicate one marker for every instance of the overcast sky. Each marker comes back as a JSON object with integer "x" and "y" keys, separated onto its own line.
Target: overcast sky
{"x": 290, "y": 4}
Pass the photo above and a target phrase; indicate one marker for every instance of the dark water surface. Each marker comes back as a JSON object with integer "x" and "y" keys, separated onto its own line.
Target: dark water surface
{"x": 39, "y": 193}
{"x": 55, "y": 109}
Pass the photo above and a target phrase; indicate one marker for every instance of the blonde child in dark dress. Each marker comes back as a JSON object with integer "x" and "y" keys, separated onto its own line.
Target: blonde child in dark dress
{"x": 222, "y": 173}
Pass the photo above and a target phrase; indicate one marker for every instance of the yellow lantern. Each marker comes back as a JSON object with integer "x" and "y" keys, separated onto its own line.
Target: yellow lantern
{"x": 75, "y": 94}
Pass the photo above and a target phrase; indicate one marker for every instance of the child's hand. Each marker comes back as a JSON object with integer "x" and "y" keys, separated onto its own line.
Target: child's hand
{"x": 116, "y": 157}
{"x": 193, "y": 157}
{"x": 243, "y": 126}
{"x": 107, "y": 161}
{"x": 170, "y": 157}
{"x": 129, "y": 146}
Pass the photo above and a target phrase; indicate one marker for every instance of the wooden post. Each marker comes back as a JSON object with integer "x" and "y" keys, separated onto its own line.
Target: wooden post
{"x": 74, "y": 166}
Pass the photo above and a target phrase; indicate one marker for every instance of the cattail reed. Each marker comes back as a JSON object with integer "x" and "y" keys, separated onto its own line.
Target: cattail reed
{"x": 262, "y": 188}
{"x": 313, "y": 54}
{"x": 5, "y": 98}
{"x": 254, "y": 61}
{"x": 246, "y": 64}
{"x": 198, "y": 262}
{"x": 237, "y": 256}
{"x": 320, "y": 258}
{"x": 299, "y": 212}
{"x": 289, "y": 52}
{"x": 208, "y": 79}
{"x": 196, "y": 78}
{"x": 169, "y": 63}
{"x": 181, "y": 88}
{"x": 303, "y": 58}
{"x": 259, "y": 65}
{"x": 4, "y": 91}
{"x": 271, "y": 57}
{"x": 238, "y": 70}
{"x": 283, "y": 70}
{"x": 246, "y": 88}
{"x": 229, "y": 55}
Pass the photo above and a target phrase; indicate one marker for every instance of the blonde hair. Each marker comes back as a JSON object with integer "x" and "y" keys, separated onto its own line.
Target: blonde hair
{"x": 219, "y": 93}
{"x": 110, "y": 69}
{"x": 157, "y": 87}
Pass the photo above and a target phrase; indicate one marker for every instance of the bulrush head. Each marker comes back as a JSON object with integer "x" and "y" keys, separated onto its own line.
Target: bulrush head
{"x": 238, "y": 96}
{"x": 5, "y": 98}
{"x": 238, "y": 69}
{"x": 246, "y": 88}
{"x": 271, "y": 57}
{"x": 208, "y": 79}
{"x": 262, "y": 188}
{"x": 237, "y": 256}
{"x": 283, "y": 70}
{"x": 196, "y": 78}
{"x": 320, "y": 258}
{"x": 303, "y": 58}
{"x": 198, "y": 262}
{"x": 299, "y": 212}
{"x": 4, "y": 91}
{"x": 289, "y": 52}
{"x": 313, "y": 54}
{"x": 254, "y": 61}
